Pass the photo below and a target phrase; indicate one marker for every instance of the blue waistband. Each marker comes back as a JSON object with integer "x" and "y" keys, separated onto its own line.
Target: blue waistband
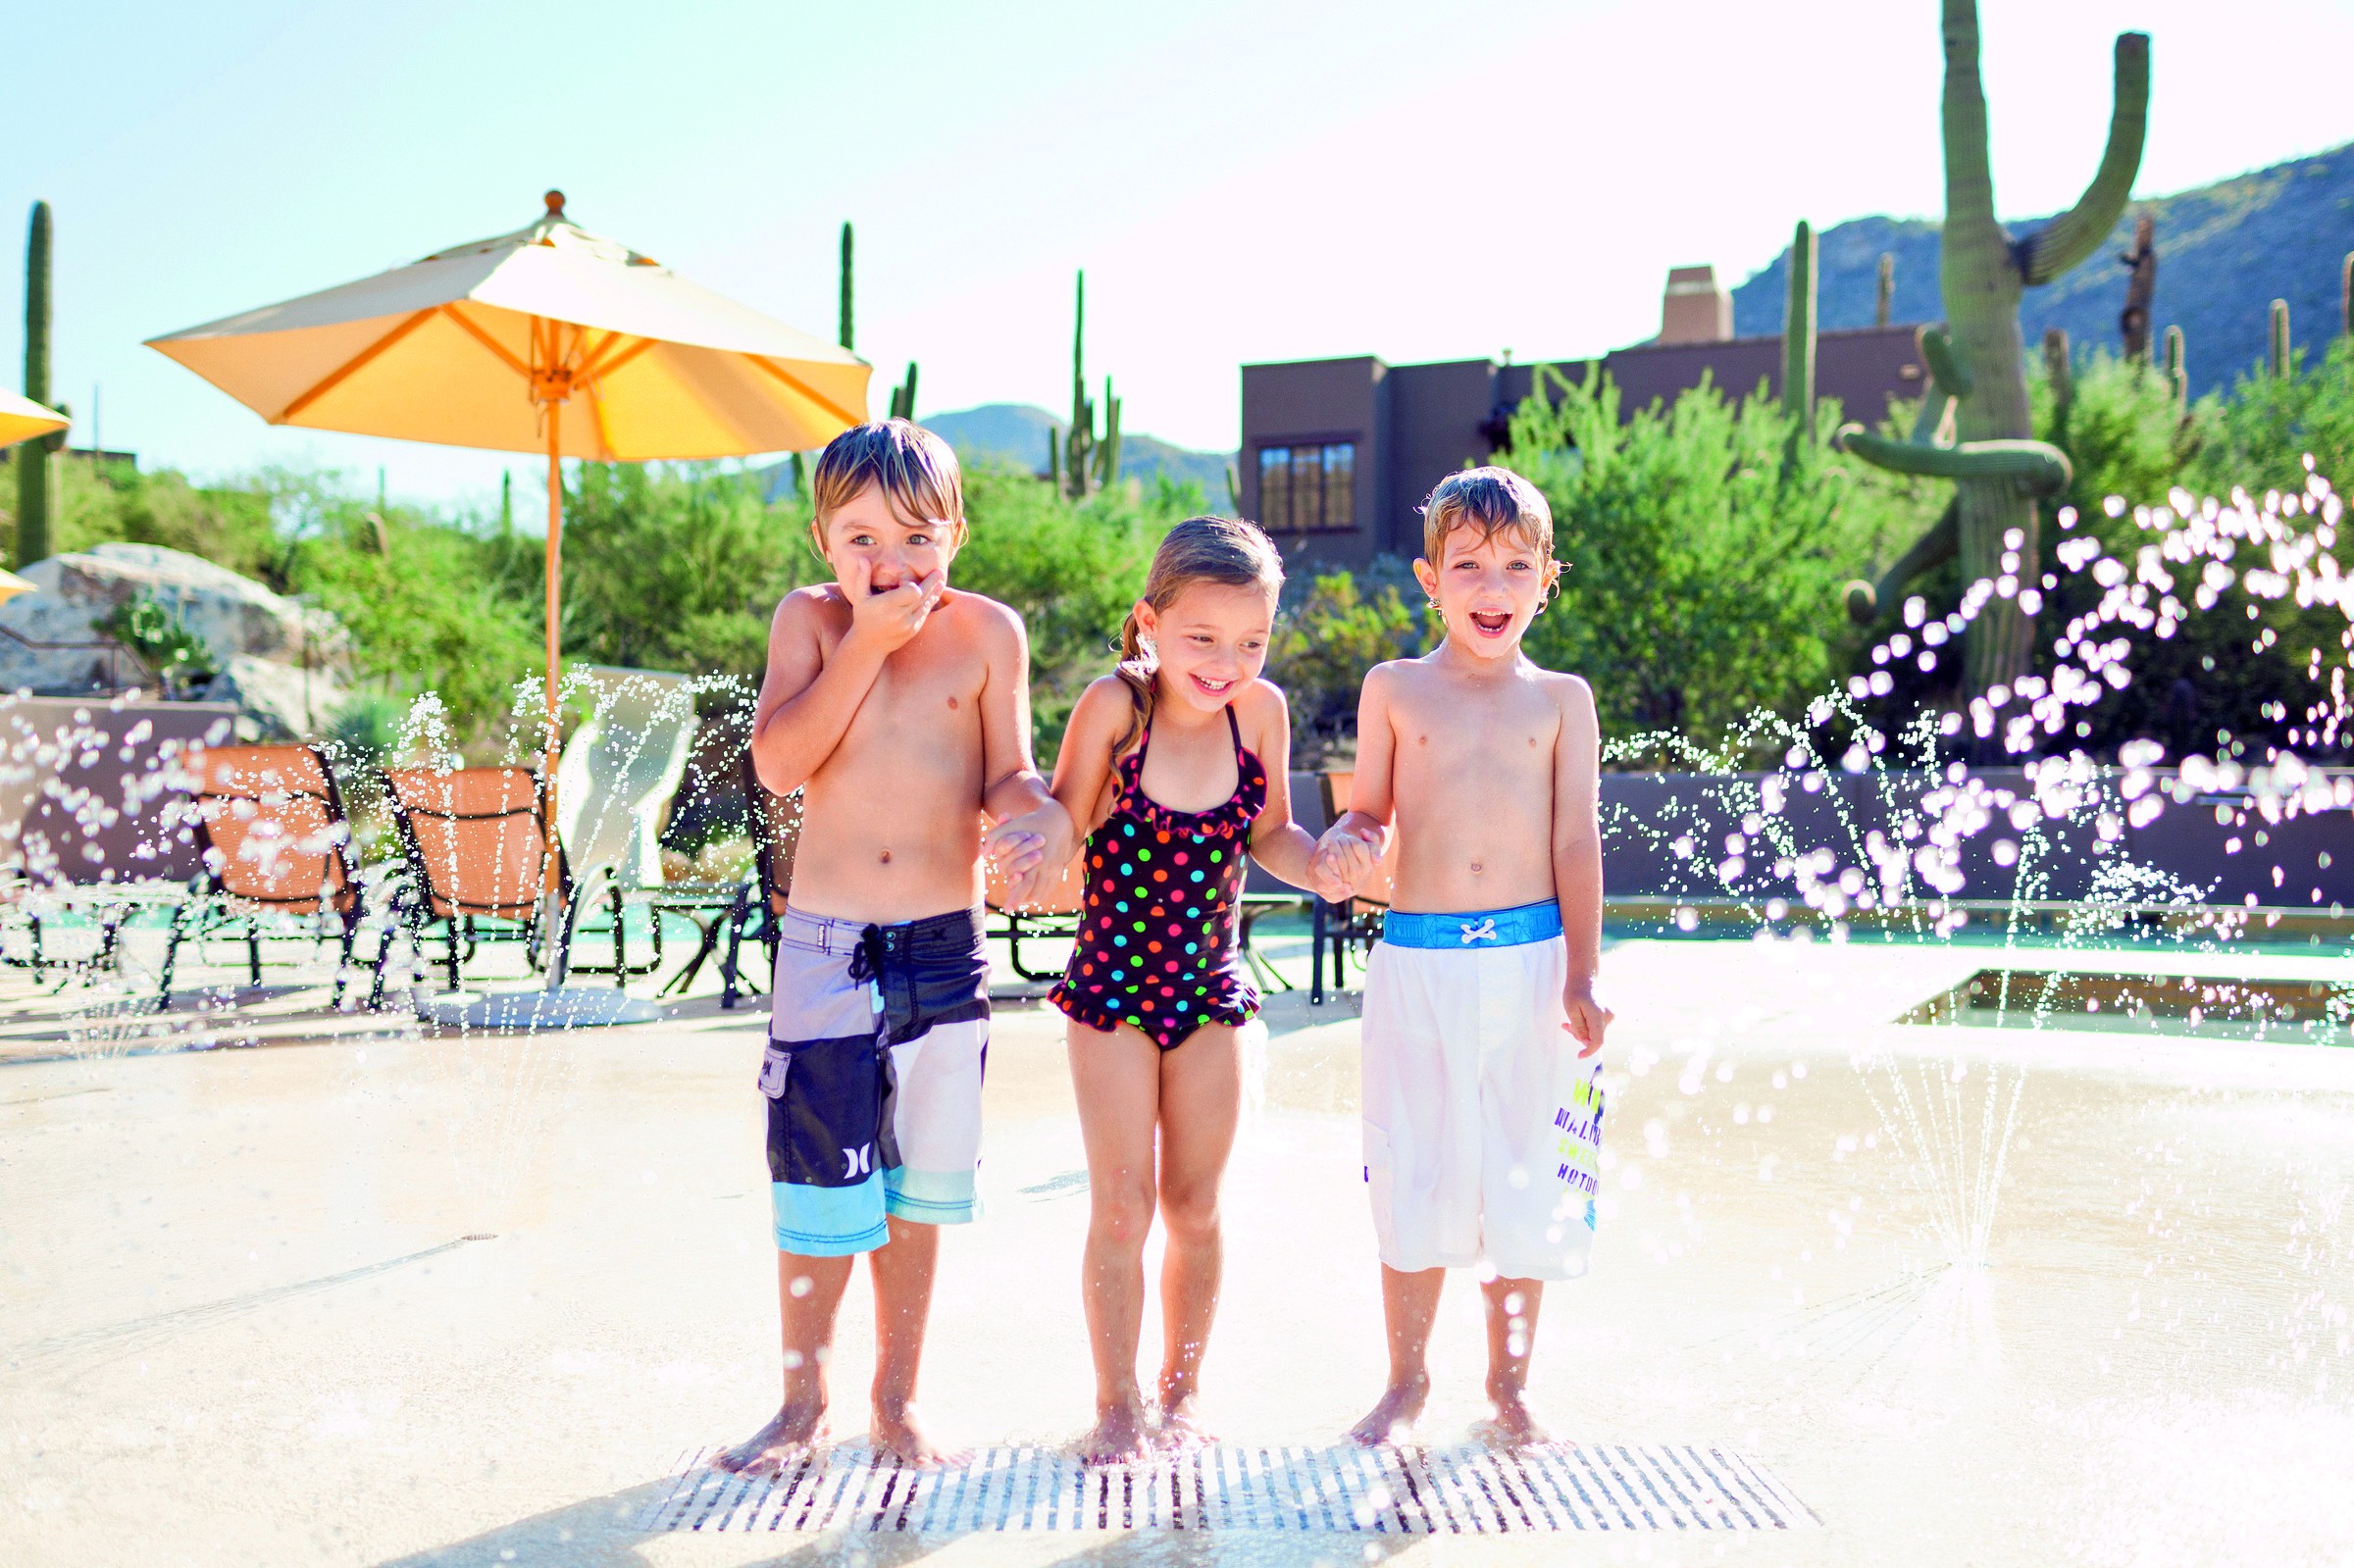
{"x": 1496, "y": 927}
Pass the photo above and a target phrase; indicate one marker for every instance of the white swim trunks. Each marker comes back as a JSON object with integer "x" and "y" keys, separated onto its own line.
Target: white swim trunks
{"x": 1482, "y": 1123}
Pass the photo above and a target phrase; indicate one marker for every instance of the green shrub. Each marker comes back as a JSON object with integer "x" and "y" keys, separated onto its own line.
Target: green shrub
{"x": 1702, "y": 558}
{"x": 180, "y": 659}
{"x": 1321, "y": 651}
{"x": 1072, "y": 568}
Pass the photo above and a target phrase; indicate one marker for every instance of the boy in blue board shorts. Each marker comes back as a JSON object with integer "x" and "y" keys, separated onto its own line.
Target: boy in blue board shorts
{"x": 1482, "y": 1110}
{"x": 899, "y": 708}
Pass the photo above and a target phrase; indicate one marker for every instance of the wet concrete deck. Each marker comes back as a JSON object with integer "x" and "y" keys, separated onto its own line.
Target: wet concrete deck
{"x": 238, "y": 1322}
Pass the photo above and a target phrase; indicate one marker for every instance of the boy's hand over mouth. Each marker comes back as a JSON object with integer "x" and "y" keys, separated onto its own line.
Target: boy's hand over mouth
{"x": 889, "y": 620}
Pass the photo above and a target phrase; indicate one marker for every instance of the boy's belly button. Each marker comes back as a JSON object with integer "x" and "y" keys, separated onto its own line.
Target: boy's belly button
{"x": 883, "y": 857}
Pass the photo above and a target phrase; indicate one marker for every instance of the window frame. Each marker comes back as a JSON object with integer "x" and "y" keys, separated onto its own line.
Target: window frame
{"x": 1292, "y": 446}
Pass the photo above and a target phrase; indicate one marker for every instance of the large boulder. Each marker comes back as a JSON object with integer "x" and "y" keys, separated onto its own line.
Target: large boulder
{"x": 281, "y": 701}
{"x": 264, "y": 642}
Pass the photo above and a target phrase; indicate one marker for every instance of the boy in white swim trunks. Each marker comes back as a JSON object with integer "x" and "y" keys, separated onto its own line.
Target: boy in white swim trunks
{"x": 1482, "y": 1110}
{"x": 899, "y": 708}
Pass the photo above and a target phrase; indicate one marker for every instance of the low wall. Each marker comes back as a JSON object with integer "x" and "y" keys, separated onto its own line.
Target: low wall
{"x": 2213, "y": 843}
{"x": 87, "y": 787}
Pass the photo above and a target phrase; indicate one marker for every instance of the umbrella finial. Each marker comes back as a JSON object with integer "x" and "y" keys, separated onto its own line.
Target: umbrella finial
{"x": 555, "y": 203}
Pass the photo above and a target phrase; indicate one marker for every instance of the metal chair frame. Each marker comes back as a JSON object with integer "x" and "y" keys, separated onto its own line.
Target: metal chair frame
{"x": 213, "y": 900}
{"x": 463, "y": 921}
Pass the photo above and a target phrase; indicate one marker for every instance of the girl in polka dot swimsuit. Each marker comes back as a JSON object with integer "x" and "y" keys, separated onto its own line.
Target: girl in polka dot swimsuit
{"x": 1179, "y": 761}
{"x": 1158, "y": 948}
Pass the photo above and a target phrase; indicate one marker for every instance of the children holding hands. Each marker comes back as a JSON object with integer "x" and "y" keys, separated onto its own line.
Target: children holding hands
{"x": 899, "y": 707}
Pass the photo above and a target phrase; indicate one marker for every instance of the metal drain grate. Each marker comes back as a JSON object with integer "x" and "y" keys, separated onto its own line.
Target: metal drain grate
{"x": 1415, "y": 1491}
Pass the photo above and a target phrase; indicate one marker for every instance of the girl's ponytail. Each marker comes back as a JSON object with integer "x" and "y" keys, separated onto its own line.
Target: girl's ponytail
{"x": 1135, "y": 669}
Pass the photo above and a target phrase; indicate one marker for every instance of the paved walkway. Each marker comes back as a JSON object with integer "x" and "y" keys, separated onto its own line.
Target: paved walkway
{"x": 389, "y": 1298}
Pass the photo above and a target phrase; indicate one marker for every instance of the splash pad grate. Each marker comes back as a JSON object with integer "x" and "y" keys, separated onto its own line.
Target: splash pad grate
{"x": 1226, "y": 1486}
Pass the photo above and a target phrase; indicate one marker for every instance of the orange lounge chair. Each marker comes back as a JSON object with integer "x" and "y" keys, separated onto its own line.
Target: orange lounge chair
{"x": 474, "y": 844}
{"x": 270, "y": 824}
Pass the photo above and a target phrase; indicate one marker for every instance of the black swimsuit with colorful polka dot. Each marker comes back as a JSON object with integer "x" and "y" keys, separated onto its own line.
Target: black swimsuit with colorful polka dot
{"x": 1158, "y": 947}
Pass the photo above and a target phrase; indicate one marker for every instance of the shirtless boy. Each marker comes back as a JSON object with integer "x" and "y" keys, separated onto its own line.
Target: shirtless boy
{"x": 1479, "y": 1001}
{"x": 901, "y": 710}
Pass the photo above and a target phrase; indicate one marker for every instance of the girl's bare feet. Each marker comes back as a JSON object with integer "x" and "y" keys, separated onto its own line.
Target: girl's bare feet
{"x": 1513, "y": 1427}
{"x": 1117, "y": 1437}
{"x": 895, "y": 1434}
{"x": 1180, "y": 1422}
{"x": 794, "y": 1429}
{"x": 1396, "y": 1411}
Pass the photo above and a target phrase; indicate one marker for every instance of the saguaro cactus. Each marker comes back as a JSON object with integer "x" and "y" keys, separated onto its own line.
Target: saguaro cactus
{"x": 1883, "y": 297}
{"x": 32, "y": 459}
{"x": 2141, "y": 287}
{"x": 848, "y": 336}
{"x": 2178, "y": 370}
{"x": 1798, "y": 332}
{"x": 2345, "y": 296}
{"x": 1079, "y": 440}
{"x": 2278, "y": 351}
{"x": 2059, "y": 372}
{"x": 902, "y": 396}
{"x": 1107, "y": 448}
{"x": 1999, "y": 471}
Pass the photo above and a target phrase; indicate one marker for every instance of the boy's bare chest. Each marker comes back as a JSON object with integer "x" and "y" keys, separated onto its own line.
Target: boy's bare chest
{"x": 1505, "y": 734}
{"x": 924, "y": 707}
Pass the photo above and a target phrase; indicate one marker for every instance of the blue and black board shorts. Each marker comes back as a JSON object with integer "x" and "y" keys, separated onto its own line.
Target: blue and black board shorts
{"x": 877, "y": 1043}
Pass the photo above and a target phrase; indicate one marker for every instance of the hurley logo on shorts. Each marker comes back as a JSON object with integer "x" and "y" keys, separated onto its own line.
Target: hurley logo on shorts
{"x": 858, "y": 1162}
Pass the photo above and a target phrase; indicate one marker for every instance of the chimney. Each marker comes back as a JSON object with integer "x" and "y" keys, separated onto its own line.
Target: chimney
{"x": 1696, "y": 309}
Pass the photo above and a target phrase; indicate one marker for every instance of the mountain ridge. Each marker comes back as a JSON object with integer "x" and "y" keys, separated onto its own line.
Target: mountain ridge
{"x": 2226, "y": 251}
{"x": 1015, "y": 434}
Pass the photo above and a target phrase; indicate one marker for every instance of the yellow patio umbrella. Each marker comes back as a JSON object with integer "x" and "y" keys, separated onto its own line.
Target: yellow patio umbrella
{"x": 21, "y": 419}
{"x": 548, "y": 339}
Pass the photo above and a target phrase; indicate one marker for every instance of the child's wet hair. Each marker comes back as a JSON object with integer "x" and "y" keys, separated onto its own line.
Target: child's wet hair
{"x": 916, "y": 470}
{"x": 1223, "y": 550}
{"x": 1490, "y": 499}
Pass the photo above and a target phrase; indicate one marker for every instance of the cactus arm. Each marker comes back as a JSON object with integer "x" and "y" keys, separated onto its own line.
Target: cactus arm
{"x": 1934, "y": 408}
{"x": 2040, "y": 465}
{"x": 1107, "y": 452}
{"x": 1946, "y": 368}
{"x": 1968, "y": 181}
{"x": 1798, "y": 330}
{"x": 2078, "y": 232}
{"x": 1931, "y": 550}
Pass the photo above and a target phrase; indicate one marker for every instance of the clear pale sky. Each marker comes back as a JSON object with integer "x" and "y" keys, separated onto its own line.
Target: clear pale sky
{"x": 1243, "y": 181}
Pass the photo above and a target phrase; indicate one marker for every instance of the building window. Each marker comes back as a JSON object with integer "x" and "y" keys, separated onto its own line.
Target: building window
{"x": 1307, "y": 488}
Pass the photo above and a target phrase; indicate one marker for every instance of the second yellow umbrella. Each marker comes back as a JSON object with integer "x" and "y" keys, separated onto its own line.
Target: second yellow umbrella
{"x": 21, "y": 419}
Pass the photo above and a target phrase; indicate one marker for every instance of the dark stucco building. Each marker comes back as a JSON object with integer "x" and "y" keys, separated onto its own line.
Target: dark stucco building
{"x": 1337, "y": 454}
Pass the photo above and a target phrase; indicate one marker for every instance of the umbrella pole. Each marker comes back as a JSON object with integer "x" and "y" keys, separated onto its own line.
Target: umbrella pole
{"x": 552, "y": 893}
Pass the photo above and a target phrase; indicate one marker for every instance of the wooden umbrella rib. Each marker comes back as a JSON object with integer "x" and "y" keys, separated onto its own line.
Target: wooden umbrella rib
{"x": 597, "y": 367}
{"x": 604, "y": 436}
{"x": 350, "y": 367}
{"x": 477, "y": 331}
{"x": 807, "y": 390}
